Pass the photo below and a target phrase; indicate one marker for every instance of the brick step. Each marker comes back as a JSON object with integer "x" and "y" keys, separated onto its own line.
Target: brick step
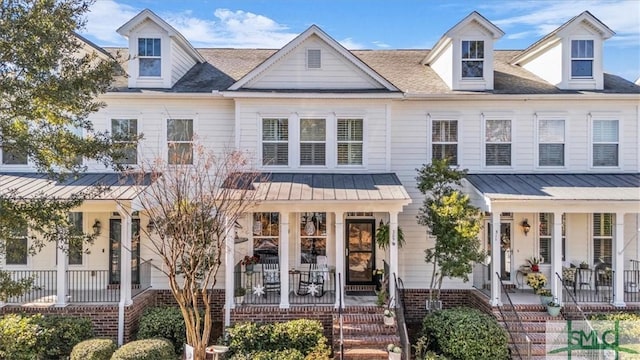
{"x": 537, "y": 327}
{"x": 364, "y": 328}
{"x": 363, "y": 354}
{"x": 359, "y": 318}
{"x": 532, "y": 316}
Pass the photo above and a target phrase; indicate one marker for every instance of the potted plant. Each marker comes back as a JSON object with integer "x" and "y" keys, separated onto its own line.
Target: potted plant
{"x": 534, "y": 263}
{"x": 545, "y": 296}
{"x": 553, "y": 308}
{"x": 377, "y": 278}
{"x": 389, "y": 317}
{"x": 239, "y": 294}
{"x": 383, "y": 236}
{"x": 395, "y": 352}
{"x": 249, "y": 261}
{"x": 536, "y": 281}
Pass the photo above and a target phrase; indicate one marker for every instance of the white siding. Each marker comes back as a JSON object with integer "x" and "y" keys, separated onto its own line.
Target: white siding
{"x": 548, "y": 64}
{"x": 291, "y": 71}
{"x": 443, "y": 65}
{"x": 181, "y": 62}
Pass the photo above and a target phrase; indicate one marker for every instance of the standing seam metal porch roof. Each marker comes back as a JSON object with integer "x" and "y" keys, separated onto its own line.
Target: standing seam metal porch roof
{"x": 94, "y": 186}
{"x": 605, "y": 187}
{"x": 329, "y": 187}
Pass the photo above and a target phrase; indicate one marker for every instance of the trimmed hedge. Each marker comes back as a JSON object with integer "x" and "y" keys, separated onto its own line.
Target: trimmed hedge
{"x": 148, "y": 349}
{"x": 163, "y": 322}
{"x": 249, "y": 340}
{"x": 63, "y": 334}
{"x": 466, "y": 333}
{"x": 94, "y": 349}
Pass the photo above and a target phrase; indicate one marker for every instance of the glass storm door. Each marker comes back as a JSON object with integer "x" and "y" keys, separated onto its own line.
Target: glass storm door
{"x": 114, "y": 251}
{"x": 360, "y": 252}
{"x": 505, "y": 250}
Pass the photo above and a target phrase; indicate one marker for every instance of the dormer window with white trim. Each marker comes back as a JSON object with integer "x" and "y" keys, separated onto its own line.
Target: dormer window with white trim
{"x": 472, "y": 59}
{"x": 581, "y": 59}
{"x": 314, "y": 59}
{"x": 149, "y": 57}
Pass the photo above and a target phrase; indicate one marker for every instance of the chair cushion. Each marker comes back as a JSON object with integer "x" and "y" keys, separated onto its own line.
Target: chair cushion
{"x": 271, "y": 276}
{"x": 568, "y": 274}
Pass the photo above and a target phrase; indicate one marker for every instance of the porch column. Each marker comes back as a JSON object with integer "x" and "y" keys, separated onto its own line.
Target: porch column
{"x": 229, "y": 273}
{"x": 618, "y": 262}
{"x": 393, "y": 254}
{"x": 340, "y": 255}
{"x": 125, "y": 257}
{"x": 556, "y": 257}
{"x": 496, "y": 294}
{"x": 61, "y": 273}
{"x": 284, "y": 260}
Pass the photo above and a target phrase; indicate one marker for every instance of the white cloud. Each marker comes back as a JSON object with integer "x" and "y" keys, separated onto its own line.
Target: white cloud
{"x": 381, "y": 45}
{"x": 104, "y": 18}
{"x": 350, "y": 44}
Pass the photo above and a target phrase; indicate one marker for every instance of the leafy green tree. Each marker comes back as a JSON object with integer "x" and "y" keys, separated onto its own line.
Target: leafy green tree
{"x": 451, "y": 220}
{"x": 49, "y": 82}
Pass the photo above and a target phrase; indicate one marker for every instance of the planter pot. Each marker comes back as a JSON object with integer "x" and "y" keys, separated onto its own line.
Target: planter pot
{"x": 248, "y": 268}
{"x": 544, "y": 300}
{"x": 239, "y": 300}
{"x": 553, "y": 310}
{"x": 389, "y": 320}
{"x": 395, "y": 356}
{"x": 584, "y": 266}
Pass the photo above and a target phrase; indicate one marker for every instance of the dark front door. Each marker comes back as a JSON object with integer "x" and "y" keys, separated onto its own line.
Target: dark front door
{"x": 505, "y": 250}
{"x": 360, "y": 234}
{"x": 115, "y": 244}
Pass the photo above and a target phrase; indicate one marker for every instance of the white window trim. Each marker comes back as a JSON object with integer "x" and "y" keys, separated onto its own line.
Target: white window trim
{"x": 26, "y": 266}
{"x": 596, "y": 72}
{"x": 298, "y": 235}
{"x": 259, "y": 122}
{"x": 194, "y": 140}
{"x": 364, "y": 141}
{"x": 592, "y": 237}
{"x": 161, "y": 57}
{"x": 538, "y": 117}
{"x": 330, "y": 136}
{"x": 483, "y": 142}
{"x": 138, "y": 132}
{"x": 604, "y": 116}
{"x": 571, "y": 58}
{"x": 86, "y": 227}
{"x": 431, "y": 117}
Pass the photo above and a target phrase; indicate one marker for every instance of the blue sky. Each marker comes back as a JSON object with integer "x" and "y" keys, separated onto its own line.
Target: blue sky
{"x": 372, "y": 24}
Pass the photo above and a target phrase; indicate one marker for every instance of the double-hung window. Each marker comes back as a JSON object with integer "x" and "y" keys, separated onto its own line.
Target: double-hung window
{"x": 498, "y": 142}
{"x": 545, "y": 236}
{"x": 149, "y": 57}
{"x": 350, "y": 140}
{"x": 266, "y": 234}
{"x": 581, "y": 59}
{"x": 180, "y": 141}
{"x": 313, "y": 236}
{"x": 605, "y": 142}
{"x": 313, "y": 137}
{"x": 472, "y": 58}
{"x": 602, "y": 237}
{"x": 76, "y": 238}
{"x": 551, "y": 143}
{"x": 444, "y": 140}
{"x": 17, "y": 247}
{"x": 124, "y": 132}
{"x": 275, "y": 141}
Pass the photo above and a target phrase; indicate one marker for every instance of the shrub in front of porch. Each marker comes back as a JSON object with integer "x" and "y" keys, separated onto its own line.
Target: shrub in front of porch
{"x": 163, "y": 322}
{"x": 63, "y": 334}
{"x": 252, "y": 340}
{"x": 19, "y": 337}
{"x": 465, "y": 333}
{"x": 148, "y": 349}
{"x": 93, "y": 349}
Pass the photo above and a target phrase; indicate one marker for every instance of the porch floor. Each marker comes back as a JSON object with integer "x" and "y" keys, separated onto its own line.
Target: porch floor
{"x": 527, "y": 297}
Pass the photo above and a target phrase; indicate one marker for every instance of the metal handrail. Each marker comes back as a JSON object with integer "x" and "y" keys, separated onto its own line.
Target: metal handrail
{"x": 340, "y": 319}
{"x": 401, "y": 317}
{"x": 519, "y": 322}
{"x": 584, "y": 317}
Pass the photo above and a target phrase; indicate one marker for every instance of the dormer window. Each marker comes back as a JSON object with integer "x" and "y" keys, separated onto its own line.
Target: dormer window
{"x": 582, "y": 59}
{"x": 472, "y": 59}
{"x": 149, "y": 57}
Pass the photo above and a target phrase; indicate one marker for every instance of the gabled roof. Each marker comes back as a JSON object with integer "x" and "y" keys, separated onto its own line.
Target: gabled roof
{"x": 474, "y": 17}
{"x": 99, "y": 50}
{"x": 145, "y": 14}
{"x": 553, "y": 37}
{"x": 312, "y": 30}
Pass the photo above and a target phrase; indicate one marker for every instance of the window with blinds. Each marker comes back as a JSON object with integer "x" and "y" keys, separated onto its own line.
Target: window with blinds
{"x": 444, "y": 140}
{"x": 602, "y": 237}
{"x": 498, "y": 143}
{"x": 605, "y": 142}
{"x": 313, "y": 136}
{"x": 551, "y": 143}
{"x": 350, "y": 141}
{"x": 545, "y": 236}
{"x": 180, "y": 141}
{"x": 275, "y": 142}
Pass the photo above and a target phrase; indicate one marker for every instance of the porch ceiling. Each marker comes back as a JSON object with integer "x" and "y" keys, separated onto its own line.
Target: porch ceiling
{"x": 330, "y": 188}
{"x": 94, "y": 186}
{"x": 566, "y": 188}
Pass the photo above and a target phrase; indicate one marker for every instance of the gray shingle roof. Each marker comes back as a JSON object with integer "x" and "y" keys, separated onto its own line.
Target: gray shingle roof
{"x": 403, "y": 68}
{"x": 623, "y": 187}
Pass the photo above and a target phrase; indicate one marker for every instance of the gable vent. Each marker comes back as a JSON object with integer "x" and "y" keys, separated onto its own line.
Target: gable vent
{"x": 313, "y": 59}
